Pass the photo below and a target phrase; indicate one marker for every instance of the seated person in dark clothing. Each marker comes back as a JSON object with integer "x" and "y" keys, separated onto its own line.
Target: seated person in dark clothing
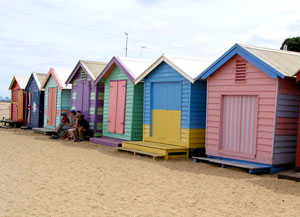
{"x": 64, "y": 129}
{"x": 64, "y": 121}
{"x": 81, "y": 126}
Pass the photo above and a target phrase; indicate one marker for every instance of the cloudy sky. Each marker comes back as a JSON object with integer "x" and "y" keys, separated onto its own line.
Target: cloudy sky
{"x": 36, "y": 35}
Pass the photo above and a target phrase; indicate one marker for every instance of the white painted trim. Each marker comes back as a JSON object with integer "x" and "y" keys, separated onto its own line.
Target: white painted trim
{"x": 159, "y": 61}
{"x": 36, "y": 80}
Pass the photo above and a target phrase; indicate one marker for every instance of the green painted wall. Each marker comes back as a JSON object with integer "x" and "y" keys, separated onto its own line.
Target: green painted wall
{"x": 62, "y": 101}
{"x": 137, "y": 124}
{"x": 134, "y": 105}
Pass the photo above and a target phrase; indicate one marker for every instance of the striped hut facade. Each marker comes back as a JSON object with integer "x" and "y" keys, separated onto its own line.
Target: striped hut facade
{"x": 86, "y": 95}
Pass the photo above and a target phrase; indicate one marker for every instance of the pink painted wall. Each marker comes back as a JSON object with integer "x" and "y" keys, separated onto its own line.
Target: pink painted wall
{"x": 258, "y": 84}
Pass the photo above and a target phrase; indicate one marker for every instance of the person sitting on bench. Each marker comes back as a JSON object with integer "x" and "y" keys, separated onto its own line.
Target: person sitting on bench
{"x": 64, "y": 129}
{"x": 81, "y": 127}
{"x": 57, "y": 132}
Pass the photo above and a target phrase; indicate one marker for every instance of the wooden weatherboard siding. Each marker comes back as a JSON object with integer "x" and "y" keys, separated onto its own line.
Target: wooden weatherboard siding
{"x": 35, "y": 106}
{"x": 174, "y": 108}
{"x": 287, "y": 113}
{"x": 133, "y": 107}
{"x": 18, "y": 98}
{"x": 14, "y": 101}
{"x": 62, "y": 102}
{"x": 90, "y": 101}
{"x": 223, "y": 83}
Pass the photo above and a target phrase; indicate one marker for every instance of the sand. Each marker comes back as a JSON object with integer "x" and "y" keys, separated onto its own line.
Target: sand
{"x": 4, "y": 110}
{"x": 42, "y": 177}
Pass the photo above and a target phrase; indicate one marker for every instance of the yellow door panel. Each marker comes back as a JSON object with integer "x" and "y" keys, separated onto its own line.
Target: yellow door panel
{"x": 173, "y": 125}
{"x": 159, "y": 124}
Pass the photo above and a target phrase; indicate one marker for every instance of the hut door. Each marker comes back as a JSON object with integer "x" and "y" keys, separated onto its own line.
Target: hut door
{"x": 20, "y": 105}
{"x": 116, "y": 107}
{"x": 14, "y": 107}
{"x": 29, "y": 107}
{"x": 239, "y": 126}
{"x": 166, "y": 111}
{"x": 83, "y": 98}
{"x": 51, "y": 106}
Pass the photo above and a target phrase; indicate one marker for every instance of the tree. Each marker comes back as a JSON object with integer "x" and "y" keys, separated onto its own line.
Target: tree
{"x": 293, "y": 44}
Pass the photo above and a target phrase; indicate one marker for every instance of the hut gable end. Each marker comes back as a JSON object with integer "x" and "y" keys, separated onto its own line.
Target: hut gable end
{"x": 259, "y": 87}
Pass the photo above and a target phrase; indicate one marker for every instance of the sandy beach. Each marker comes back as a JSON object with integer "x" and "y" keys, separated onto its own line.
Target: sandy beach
{"x": 42, "y": 177}
{"x": 4, "y": 109}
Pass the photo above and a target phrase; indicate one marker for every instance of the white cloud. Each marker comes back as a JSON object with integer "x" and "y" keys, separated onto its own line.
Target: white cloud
{"x": 203, "y": 28}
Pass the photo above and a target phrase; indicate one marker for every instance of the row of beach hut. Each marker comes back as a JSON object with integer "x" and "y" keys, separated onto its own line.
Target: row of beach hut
{"x": 244, "y": 107}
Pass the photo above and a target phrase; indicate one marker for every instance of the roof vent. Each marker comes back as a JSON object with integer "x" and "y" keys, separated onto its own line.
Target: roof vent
{"x": 83, "y": 76}
{"x": 240, "y": 71}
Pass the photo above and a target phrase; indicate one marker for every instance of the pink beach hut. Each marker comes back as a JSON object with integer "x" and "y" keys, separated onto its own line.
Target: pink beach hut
{"x": 252, "y": 107}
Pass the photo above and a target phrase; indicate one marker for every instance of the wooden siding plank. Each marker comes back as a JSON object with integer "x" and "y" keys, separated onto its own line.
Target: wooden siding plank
{"x": 257, "y": 84}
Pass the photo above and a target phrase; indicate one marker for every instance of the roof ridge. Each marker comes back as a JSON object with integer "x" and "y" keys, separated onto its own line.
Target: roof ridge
{"x": 22, "y": 75}
{"x": 186, "y": 58}
{"x": 93, "y": 61}
{"x": 271, "y": 49}
{"x": 135, "y": 59}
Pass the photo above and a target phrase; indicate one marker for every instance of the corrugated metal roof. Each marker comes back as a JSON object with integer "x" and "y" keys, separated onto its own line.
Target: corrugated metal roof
{"x": 94, "y": 68}
{"x": 22, "y": 80}
{"x": 62, "y": 75}
{"x": 285, "y": 62}
{"x": 189, "y": 67}
{"x": 136, "y": 66}
{"x": 39, "y": 78}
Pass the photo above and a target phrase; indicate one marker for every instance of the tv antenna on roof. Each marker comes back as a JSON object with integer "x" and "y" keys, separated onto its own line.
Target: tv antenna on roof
{"x": 143, "y": 47}
{"x": 126, "y": 43}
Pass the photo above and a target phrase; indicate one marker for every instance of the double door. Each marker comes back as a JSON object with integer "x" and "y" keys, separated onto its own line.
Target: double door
{"x": 239, "y": 125}
{"x": 166, "y": 111}
{"x": 51, "y": 106}
{"x": 83, "y": 98}
{"x": 116, "y": 106}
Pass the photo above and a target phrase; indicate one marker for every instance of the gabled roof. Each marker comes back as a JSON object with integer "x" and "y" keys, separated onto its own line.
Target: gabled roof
{"x": 188, "y": 67}
{"x": 275, "y": 63}
{"x": 60, "y": 76}
{"x": 21, "y": 80}
{"x": 38, "y": 77}
{"x": 131, "y": 67}
{"x": 92, "y": 68}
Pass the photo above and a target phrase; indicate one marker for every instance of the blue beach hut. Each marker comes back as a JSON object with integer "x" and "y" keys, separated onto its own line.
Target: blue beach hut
{"x": 34, "y": 109}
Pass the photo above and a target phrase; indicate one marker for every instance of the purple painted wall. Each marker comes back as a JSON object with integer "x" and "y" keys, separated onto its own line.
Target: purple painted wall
{"x": 88, "y": 98}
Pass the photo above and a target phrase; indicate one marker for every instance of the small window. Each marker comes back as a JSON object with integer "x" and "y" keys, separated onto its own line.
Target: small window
{"x": 240, "y": 71}
{"x": 83, "y": 76}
